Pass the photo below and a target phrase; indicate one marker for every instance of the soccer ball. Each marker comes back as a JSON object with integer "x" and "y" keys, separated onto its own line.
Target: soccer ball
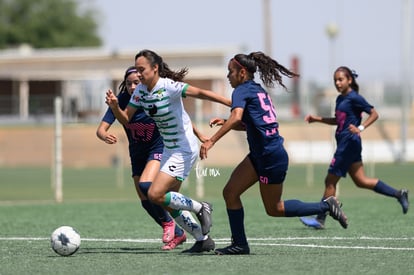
{"x": 65, "y": 240}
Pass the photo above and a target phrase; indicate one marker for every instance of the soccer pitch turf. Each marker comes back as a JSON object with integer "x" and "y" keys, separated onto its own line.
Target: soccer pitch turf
{"x": 118, "y": 237}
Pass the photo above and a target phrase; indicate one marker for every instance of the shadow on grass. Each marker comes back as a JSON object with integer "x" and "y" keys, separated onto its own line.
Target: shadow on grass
{"x": 138, "y": 250}
{"x": 119, "y": 250}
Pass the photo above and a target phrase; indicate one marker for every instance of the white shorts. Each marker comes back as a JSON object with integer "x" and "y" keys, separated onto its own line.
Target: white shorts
{"x": 178, "y": 164}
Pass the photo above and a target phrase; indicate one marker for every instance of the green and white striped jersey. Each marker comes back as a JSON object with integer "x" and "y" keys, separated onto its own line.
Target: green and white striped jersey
{"x": 164, "y": 104}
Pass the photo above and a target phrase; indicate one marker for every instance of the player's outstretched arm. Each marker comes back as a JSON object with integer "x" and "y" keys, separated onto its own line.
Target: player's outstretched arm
{"x": 326, "y": 120}
{"x": 232, "y": 122}
{"x": 102, "y": 132}
{"x": 209, "y": 95}
{"x": 202, "y": 138}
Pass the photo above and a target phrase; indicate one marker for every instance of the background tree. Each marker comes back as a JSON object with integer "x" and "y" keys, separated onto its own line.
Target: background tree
{"x": 47, "y": 24}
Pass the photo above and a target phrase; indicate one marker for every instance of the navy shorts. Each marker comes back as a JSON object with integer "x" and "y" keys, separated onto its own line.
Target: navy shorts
{"x": 140, "y": 157}
{"x": 271, "y": 167}
{"x": 345, "y": 155}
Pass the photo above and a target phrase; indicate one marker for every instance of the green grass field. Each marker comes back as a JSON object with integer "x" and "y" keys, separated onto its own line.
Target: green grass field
{"x": 119, "y": 238}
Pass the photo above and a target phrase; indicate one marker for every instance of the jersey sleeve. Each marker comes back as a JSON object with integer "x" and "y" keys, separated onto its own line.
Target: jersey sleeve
{"x": 176, "y": 88}
{"x": 361, "y": 103}
{"x": 109, "y": 116}
{"x": 184, "y": 89}
{"x": 134, "y": 101}
{"x": 239, "y": 98}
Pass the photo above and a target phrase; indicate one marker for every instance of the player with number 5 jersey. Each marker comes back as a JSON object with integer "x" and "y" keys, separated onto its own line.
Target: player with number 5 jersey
{"x": 252, "y": 110}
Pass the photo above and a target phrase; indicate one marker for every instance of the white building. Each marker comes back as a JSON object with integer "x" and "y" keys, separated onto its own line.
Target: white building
{"x": 30, "y": 79}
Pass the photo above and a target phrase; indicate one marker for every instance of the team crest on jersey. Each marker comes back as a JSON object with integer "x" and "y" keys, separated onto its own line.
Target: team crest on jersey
{"x": 160, "y": 93}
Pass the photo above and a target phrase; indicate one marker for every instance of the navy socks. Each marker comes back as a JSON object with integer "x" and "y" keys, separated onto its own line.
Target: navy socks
{"x": 158, "y": 213}
{"x": 236, "y": 219}
{"x": 297, "y": 208}
{"x": 384, "y": 189}
{"x": 147, "y": 205}
{"x": 144, "y": 187}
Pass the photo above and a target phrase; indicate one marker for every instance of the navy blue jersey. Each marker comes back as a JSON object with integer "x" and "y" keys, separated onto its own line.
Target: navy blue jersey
{"x": 348, "y": 111}
{"x": 141, "y": 130}
{"x": 259, "y": 118}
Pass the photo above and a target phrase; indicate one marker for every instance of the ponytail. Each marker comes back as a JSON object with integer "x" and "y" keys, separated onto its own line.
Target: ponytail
{"x": 270, "y": 70}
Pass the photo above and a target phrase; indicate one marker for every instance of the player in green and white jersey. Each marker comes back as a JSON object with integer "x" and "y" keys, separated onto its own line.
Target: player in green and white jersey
{"x": 160, "y": 94}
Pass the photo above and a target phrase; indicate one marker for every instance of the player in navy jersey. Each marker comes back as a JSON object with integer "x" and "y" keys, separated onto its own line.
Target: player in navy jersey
{"x": 145, "y": 151}
{"x": 252, "y": 110}
{"x": 160, "y": 94}
{"x": 347, "y": 159}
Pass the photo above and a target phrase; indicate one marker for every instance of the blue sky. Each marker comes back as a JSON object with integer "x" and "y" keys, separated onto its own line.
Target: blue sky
{"x": 369, "y": 37}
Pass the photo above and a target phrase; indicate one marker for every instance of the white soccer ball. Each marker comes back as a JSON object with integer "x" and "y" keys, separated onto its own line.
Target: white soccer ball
{"x": 65, "y": 240}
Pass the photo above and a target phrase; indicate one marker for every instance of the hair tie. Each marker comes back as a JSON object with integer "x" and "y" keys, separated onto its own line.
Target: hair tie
{"x": 238, "y": 63}
{"x": 354, "y": 73}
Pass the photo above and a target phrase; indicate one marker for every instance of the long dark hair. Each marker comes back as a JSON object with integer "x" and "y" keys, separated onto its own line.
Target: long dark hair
{"x": 270, "y": 70}
{"x": 163, "y": 69}
{"x": 349, "y": 74}
{"x": 122, "y": 87}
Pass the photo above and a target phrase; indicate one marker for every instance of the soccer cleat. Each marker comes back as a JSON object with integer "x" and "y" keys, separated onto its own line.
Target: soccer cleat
{"x": 175, "y": 242}
{"x": 403, "y": 200}
{"x": 201, "y": 246}
{"x": 336, "y": 212}
{"x": 233, "y": 249}
{"x": 204, "y": 216}
{"x": 168, "y": 229}
{"x": 313, "y": 222}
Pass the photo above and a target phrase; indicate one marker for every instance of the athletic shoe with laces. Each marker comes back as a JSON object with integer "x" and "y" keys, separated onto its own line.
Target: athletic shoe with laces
{"x": 403, "y": 200}
{"x": 175, "y": 242}
{"x": 168, "y": 229}
{"x": 336, "y": 212}
{"x": 233, "y": 249}
{"x": 201, "y": 246}
{"x": 204, "y": 216}
{"x": 313, "y": 222}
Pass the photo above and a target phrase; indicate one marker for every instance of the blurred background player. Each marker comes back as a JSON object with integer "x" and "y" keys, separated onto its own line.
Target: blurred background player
{"x": 145, "y": 151}
{"x": 347, "y": 158}
{"x": 252, "y": 110}
{"x": 160, "y": 95}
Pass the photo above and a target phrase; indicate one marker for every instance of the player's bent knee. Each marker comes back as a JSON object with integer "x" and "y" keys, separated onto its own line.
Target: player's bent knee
{"x": 274, "y": 212}
{"x": 144, "y": 187}
{"x": 155, "y": 197}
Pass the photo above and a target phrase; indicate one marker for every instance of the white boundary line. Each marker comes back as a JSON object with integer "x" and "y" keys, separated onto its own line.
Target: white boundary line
{"x": 223, "y": 239}
{"x": 260, "y": 242}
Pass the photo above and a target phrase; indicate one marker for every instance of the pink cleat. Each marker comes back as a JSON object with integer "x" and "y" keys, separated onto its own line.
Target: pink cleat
{"x": 175, "y": 242}
{"x": 168, "y": 229}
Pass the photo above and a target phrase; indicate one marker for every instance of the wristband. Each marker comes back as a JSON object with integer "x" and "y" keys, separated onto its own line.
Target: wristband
{"x": 361, "y": 128}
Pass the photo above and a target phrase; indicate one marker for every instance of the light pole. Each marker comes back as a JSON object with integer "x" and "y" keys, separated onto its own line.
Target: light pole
{"x": 406, "y": 75}
{"x": 332, "y": 31}
{"x": 267, "y": 27}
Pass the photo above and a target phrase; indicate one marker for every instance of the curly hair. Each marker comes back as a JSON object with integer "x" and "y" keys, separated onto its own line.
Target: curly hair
{"x": 270, "y": 70}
